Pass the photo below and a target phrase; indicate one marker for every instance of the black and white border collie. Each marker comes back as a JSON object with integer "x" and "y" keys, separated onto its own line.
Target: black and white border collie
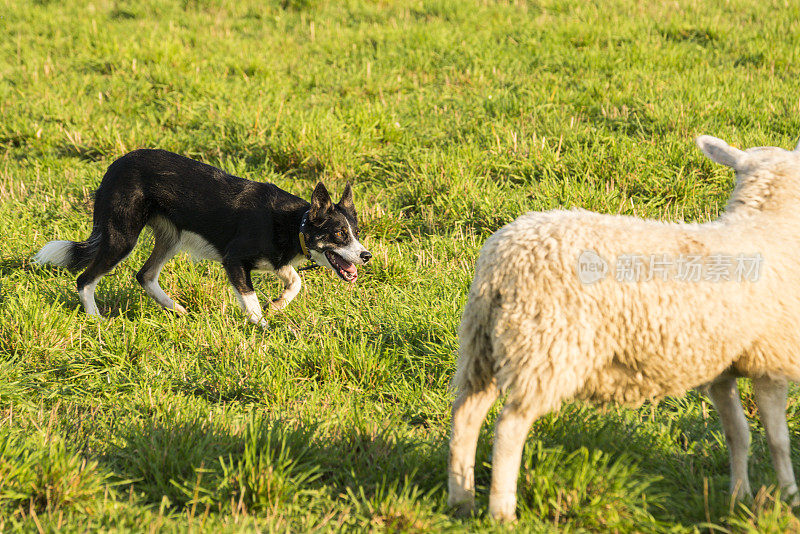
{"x": 211, "y": 214}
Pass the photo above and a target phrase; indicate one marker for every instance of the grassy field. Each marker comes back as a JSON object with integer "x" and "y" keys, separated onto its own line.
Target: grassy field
{"x": 450, "y": 118}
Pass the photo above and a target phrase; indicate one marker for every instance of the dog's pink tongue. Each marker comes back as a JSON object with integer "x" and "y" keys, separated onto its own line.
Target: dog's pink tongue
{"x": 349, "y": 272}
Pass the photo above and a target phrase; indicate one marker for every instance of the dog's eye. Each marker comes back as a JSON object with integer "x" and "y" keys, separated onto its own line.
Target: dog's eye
{"x": 340, "y": 234}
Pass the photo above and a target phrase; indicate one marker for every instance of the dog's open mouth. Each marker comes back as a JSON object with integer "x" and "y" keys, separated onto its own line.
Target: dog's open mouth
{"x": 346, "y": 270}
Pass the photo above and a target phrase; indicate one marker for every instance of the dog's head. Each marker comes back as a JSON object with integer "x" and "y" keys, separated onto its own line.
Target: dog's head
{"x": 331, "y": 233}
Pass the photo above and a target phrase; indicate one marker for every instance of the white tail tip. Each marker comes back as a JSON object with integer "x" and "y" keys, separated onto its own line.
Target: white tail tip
{"x": 55, "y": 253}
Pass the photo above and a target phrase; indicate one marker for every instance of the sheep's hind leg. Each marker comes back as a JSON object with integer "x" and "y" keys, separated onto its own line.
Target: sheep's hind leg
{"x": 770, "y": 396}
{"x": 725, "y": 396}
{"x": 469, "y": 411}
{"x": 510, "y": 434}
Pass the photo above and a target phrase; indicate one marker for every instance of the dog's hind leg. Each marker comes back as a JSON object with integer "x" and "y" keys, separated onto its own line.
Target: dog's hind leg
{"x": 109, "y": 254}
{"x": 119, "y": 216}
{"x": 167, "y": 244}
{"x": 86, "y": 295}
{"x": 291, "y": 282}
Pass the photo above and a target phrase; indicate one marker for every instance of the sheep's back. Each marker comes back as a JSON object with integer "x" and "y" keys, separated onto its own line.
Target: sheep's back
{"x": 609, "y": 340}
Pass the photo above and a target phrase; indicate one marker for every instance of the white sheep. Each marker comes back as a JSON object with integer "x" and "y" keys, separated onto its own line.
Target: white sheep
{"x": 574, "y": 304}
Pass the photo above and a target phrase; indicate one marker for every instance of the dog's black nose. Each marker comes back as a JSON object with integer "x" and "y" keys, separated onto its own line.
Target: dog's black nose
{"x": 366, "y": 256}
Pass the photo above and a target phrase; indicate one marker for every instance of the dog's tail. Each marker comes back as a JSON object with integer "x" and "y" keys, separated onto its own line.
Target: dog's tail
{"x": 73, "y": 255}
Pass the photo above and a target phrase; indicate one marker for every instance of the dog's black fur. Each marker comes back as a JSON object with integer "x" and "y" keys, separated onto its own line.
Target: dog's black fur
{"x": 246, "y": 225}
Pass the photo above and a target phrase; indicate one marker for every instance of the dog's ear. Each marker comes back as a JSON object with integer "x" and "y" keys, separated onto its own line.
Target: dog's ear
{"x": 320, "y": 202}
{"x": 346, "y": 202}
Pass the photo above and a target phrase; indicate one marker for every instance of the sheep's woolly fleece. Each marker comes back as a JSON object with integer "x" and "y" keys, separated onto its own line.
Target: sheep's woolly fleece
{"x": 543, "y": 325}
{"x": 536, "y": 329}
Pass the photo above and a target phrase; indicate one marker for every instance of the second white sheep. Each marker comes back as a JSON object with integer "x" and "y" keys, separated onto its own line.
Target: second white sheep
{"x": 574, "y": 304}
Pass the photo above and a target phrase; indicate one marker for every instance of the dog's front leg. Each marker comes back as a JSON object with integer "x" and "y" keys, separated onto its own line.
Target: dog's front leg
{"x": 239, "y": 277}
{"x": 291, "y": 282}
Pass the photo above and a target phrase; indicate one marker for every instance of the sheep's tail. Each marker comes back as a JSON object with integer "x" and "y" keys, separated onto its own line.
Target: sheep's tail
{"x": 73, "y": 255}
{"x": 475, "y": 367}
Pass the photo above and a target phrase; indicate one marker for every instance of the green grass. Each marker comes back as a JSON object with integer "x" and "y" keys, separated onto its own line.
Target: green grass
{"x": 450, "y": 119}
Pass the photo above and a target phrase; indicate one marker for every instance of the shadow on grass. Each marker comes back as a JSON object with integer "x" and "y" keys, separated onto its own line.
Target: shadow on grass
{"x": 286, "y": 160}
{"x": 676, "y": 455}
{"x": 184, "y": 459}
{"x": 181, "y": 459}
{"x": 61, "y": 291}
{"x": 82, "y": 152}
{"x": 127, "y": 299}
{"x": 221, "y": 383}
{"x": 9, "y": 266}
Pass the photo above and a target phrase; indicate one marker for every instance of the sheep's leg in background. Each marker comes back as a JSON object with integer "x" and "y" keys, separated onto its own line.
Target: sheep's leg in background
{"x": 469, "y": 411}
{"x": 725, "y": 395}
{"x": 509, "y": 439}
{"x": 770, "y": 395}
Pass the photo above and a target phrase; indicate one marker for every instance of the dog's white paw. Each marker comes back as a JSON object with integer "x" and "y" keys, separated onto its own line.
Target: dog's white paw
{"x": 278, "y": 304}
{"x": 260, "y": 322}
{"x": 180, "y": 310}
